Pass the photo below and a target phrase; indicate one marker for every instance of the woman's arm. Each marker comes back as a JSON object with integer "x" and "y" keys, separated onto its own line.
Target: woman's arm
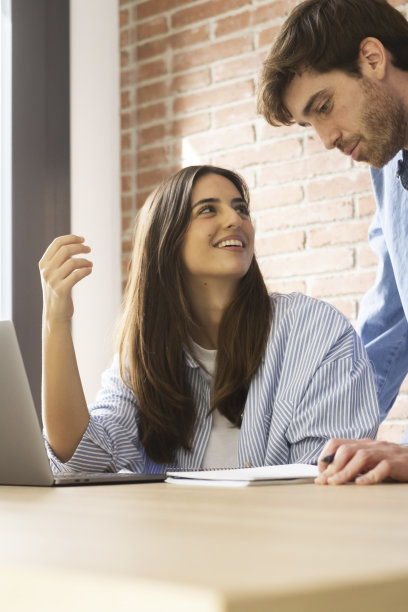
{"x": 331, "y": 382}
{"x": 65, "y": 412}
{"x": 111, "y": 441}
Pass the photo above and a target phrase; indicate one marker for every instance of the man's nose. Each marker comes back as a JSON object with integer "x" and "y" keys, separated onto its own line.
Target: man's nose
{"x": 328, "y": 134}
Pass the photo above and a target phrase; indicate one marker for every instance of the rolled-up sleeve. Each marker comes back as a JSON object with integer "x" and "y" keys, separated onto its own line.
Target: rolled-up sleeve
{"x": 319, "y": 380}
{"x": 339, "y": 402}
{"x": 111, "y": 441}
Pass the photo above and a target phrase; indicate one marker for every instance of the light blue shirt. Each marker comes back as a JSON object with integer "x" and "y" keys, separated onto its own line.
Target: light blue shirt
{"x": 383, "y": 316}
{"x": 314, "y": 382}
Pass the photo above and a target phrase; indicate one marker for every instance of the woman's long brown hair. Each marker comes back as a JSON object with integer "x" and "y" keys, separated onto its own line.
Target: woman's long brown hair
{"x": 157, "y": 323}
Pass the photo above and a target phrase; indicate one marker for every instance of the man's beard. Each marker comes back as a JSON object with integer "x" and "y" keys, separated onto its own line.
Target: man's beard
{"x": 383, "y": 126}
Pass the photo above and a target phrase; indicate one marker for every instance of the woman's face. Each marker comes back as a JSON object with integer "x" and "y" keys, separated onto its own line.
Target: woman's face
{"x": 219, "y": 242}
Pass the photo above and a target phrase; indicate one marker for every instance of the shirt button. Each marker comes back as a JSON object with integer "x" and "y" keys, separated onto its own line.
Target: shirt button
{"x": 248, "y": 464}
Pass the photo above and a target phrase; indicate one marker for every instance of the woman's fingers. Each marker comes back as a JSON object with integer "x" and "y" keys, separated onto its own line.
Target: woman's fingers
{"x": 61, "y": 257}
{"x": 61, "y": 268}
{"x": 62, "y": 287}
{"x": 60, "y": 242}
{"x": 70, "y": 272}
{"x": 61, "y": 250}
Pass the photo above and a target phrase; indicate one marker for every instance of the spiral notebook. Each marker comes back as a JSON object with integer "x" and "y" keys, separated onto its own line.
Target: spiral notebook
{"x": 243, "y": 477}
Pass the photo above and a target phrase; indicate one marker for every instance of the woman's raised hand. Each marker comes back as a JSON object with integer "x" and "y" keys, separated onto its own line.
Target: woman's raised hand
{"x": 61, "y": 268}
{"x": 65, "y": 412}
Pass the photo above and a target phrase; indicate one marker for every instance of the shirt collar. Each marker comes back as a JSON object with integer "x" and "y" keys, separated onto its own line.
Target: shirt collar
{"x": 190, "y": 361}
{"x": 402, "y": 171}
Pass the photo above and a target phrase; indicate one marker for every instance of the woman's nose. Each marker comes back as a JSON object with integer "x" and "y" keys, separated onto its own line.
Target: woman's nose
{"x": 233, "y": 219}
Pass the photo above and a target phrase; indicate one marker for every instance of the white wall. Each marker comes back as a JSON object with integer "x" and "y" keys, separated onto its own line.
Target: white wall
{"x": 95, "y": 180}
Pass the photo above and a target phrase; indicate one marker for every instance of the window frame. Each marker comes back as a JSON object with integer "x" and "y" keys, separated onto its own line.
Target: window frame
{"x": 40, "y": 160}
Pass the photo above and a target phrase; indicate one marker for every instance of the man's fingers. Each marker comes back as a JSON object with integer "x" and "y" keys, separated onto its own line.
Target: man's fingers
{"x": 329, "y": 448}
{"x": 367, "y": 461}
{"x": 352, "y": 457}
{"x": 343, "y": 451}
{"x": 379, "y": 473}
{"x": 349, "y": 469}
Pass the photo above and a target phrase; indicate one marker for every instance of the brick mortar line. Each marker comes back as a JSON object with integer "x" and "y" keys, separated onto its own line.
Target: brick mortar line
{"x": 397, "y": 421}
{"x": 266, "y": 235}
{"x": 210, "y": 21}
{"x": 191, "y": 71}
{"x": 220, "y": 61}
{"x": 293, "y": 254}
{"x": 317, "y": 252}
{"x": 325, "y": 275}
{"x": 202, "y": 90}
{"x": 308, "y": 249}
{"x": 296, "y": 182}
{"x": 211, "y": 40}
{"x": 250, "y": 76}
{"x": 213, "y": 20}
{"x": 170, "y": 139}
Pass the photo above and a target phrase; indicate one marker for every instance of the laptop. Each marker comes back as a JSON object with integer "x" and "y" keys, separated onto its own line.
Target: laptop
{"x": 23, "y": 458}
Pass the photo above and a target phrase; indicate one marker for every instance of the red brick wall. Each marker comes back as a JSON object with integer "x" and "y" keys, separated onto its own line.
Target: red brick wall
{"x": 188, "y": 82}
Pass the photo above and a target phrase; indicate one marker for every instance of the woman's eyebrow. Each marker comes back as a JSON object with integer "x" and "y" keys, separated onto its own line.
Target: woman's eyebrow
{"x": 205, "y": 201}
{"x": 215, "y": 200}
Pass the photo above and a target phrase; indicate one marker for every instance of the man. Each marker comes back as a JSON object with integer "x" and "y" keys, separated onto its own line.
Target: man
{"x": 341, "y": 66}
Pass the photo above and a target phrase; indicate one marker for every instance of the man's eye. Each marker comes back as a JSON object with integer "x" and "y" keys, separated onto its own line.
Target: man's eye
{"x": 324, "y": 108}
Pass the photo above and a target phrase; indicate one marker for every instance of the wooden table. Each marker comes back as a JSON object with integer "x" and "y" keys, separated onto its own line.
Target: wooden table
{"x": 161, "y": 547}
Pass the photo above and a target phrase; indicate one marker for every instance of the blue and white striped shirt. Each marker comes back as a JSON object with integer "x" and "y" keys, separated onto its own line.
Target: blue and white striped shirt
{"x": 315, "y": 382}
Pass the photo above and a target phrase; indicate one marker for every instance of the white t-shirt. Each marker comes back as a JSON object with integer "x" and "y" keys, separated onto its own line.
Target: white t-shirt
{"x": 222, "y": 447}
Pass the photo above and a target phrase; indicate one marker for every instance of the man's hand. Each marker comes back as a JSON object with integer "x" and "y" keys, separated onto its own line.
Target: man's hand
{"x": 367, "y": 461}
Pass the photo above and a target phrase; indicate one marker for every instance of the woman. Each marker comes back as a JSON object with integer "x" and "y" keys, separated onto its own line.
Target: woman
{"x": 211, "y": 371}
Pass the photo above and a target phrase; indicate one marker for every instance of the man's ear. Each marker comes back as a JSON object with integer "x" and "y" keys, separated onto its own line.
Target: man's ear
{"x": 373, "y": 58}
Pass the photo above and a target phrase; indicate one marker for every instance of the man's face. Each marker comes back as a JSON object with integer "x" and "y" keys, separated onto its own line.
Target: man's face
{"x": 358, "y": 115}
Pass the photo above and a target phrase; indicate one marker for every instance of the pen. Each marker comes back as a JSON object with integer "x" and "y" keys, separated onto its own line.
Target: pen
{"x": 328, "y": 459}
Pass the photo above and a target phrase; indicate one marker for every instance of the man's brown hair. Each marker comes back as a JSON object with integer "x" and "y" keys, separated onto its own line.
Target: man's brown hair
{"x": 325, "y": 35}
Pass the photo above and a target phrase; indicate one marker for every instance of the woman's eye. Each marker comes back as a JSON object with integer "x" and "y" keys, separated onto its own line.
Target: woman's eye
{"x": 243, "y": 209}
{"x": 206, "y": 209}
